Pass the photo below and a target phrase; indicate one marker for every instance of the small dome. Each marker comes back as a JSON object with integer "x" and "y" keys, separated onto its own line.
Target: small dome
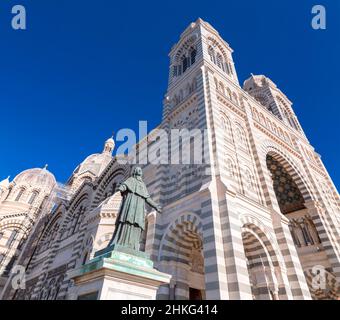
{"x": 94, "y": 163}
{"x": 36, "y": 178}
{"x": 110, "y": 141}
{"x": 109, "y": 146}
{"x": 257, "y": 81}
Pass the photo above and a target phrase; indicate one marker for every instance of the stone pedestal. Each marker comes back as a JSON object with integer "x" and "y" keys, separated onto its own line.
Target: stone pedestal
{"x": 117, "y": 273}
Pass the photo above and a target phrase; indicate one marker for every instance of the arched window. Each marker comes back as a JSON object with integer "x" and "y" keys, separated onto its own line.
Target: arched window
{"x": 2, "y": 256}
{"x": 287, "y": 137}
{"x": 193, "y": 56}
{"x": 289, "y": 116}
{"x": 226, "y": 125}
{"x": 211, "y": 52}
{"x": 285, "y": 113}
{"x": 255, "y": 114}
{"x": 221, "y": 88}
{"x": 280, "y": 132}
{"x": 295, "y": 124}
{"x": 174, "y": 71}
{"x": 20, "y": 194}
{"x": 179, "y": 69}
{"x": 231, "y": 69}
{"x": 226, "y": 67}
{"x": 77, "y": 219}
{"x": 33, "y": 197}
{"x": 12, "y": 238}
{"x": 274, "y": 128}
{"x": 219, "y": 61}
{"x": 229, "y": 94}
{"x": 1, "y": 235}
{"x": 241, "y": 137}
{"x": 184, "y": 63}
{"x": 248, "y": 179}
{"x": 235, "y": 98}
{"x": 230, "y": 168}
{"x": 216, "y": 83}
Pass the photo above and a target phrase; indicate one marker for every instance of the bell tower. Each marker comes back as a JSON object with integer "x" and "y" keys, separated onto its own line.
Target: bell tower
{"x": 270, "y": 96}
{"x": 259, "y": 173}
{"x": 200, "y": 44}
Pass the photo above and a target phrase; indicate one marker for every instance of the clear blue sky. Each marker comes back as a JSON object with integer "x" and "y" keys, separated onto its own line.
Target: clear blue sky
{"x": 85, "y": 68}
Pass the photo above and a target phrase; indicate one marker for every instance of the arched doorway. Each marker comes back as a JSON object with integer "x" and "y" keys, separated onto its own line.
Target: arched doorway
{"x": 292, "y": 197}
{"x": 262, "y": 264}
{"x": 181, "y": 255}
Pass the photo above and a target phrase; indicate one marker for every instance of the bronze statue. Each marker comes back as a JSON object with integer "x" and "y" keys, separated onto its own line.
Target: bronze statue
{"x": 130, "y": 222}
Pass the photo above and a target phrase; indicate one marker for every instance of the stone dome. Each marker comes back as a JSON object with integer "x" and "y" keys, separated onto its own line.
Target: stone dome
{"x": 94, "y": 163}
{"x": 109, "y": 145}
{"x": 36, "y": 177}
{"x": 257, "y": 81}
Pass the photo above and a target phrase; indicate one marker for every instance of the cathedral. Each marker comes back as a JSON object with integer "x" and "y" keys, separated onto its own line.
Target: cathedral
{"x": 259, "y": 219}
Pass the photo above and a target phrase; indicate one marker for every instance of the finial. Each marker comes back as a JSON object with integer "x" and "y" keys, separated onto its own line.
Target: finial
{"x": 46, "y": 166}
{"x": 109, "y": 144}
{"x": 4, "y": 183}
{"x": 252, "y": 74}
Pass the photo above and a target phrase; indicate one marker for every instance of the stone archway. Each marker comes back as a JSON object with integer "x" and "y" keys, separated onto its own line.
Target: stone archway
{"x": 264, "y": 269}
{"x": 181, "y": 254}
{"x": 294, "y": 199}
{"x": 263, "y": 285}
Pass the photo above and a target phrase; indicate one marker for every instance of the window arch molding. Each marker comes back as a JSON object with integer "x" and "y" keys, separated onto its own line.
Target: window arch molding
{"x": 230, "y": 167}
{"x": 185, "y": 56}
{"x": 20, "y": 191}
{"x": 24, "y": 230}
{"x": 71, "y": 214}
{"x": 184, "y": 46}
{"x": 50, "y": 233}
{"x": 219, "y": 56}
{"x": 248, "y": 178}
{"x": 215, "y": 44}
{"x": 33, "y": 197}
{"x": 116, "y": 176}
{"x": 241, "y": 136}
{"x": 288, "y": 114}
{"x": 227, "y": 127}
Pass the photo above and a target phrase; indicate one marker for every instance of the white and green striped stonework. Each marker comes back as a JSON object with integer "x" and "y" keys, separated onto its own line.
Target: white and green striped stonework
{"x": 257, "y": 220}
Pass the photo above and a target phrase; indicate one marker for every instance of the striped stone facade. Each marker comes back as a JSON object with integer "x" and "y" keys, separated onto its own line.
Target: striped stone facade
{"x": 222, "y": 234}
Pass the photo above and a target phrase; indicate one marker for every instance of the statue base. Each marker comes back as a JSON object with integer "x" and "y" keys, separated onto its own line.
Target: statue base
{"x": 106, "y": 253}
{"x": 117, "y": 273}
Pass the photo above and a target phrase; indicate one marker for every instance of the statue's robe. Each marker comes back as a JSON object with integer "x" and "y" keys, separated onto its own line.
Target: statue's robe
{"x": 130, "y": 222}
